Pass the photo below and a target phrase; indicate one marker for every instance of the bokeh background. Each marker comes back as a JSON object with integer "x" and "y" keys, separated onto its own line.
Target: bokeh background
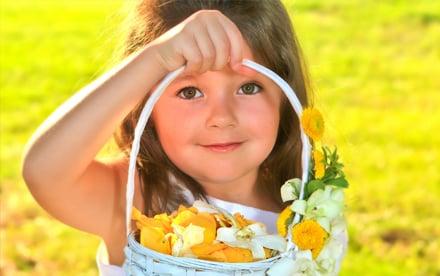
{"x": 375, "y": 66}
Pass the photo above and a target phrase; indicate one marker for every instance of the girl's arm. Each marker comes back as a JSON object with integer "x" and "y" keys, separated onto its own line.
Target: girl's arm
{"x": 58, "y": 164}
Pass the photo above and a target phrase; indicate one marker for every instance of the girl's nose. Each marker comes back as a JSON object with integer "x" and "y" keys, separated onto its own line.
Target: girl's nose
{"x": 221, "y": 112}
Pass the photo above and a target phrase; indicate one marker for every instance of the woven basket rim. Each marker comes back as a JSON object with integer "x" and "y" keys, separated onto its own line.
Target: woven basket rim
{"x": 266, "y": 263}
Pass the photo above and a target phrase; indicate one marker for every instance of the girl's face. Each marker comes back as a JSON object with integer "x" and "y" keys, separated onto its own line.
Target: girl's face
{"x": 219, "y": 107}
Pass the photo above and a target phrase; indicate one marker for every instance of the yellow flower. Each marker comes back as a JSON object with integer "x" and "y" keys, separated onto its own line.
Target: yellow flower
{"x": 313, "y": 123}
{"x": 309, "y": 235}
{"x": 318, "y": 157}
{"x": 282, "y": 221}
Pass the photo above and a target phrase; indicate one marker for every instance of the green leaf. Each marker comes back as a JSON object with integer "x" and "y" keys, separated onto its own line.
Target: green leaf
{"x": 339, "y": 182}
{"x": 314, "y": 185}
{"x": 289, "y": 220}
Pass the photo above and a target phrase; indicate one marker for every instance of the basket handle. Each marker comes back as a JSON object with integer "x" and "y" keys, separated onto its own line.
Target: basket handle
{"x": 146, "y": 111}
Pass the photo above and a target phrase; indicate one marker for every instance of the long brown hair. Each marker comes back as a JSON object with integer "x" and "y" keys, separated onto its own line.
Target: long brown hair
{"x": 267, "y": 28}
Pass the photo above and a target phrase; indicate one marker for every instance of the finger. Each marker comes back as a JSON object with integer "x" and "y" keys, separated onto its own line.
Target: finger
{"x": 235, "y": 38}
{"x": 192, "y": 55}
{"x": 206, "y": 47}
{"x": 221, "y": 43}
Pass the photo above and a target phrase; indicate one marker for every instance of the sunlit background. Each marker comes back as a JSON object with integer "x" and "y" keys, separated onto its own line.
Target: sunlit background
{"x": 375, "y": 66}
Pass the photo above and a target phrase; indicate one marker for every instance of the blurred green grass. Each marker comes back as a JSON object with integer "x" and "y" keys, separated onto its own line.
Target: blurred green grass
{"x": 375, "y": 68}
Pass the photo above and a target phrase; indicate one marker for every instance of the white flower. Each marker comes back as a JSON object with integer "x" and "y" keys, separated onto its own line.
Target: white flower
{"x": 322, "y": 206}
{"x": 253, "y": 237}
{"x": 186, "y": 238}
{"x": 333, "y": 249}
{"x": 302, "y": 265}
{"x": 290, "y": 189}
{"x": 326, "y": 259}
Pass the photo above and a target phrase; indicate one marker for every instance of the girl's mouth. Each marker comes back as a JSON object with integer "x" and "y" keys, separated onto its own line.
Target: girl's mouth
{"x": 223, "y": 147}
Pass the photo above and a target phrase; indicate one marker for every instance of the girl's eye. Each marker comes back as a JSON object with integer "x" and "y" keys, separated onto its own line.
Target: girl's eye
{"x": 190, "y": 92}
{"x": 248, "y": 88}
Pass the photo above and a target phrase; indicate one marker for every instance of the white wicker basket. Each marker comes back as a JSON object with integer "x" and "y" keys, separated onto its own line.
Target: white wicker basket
{"x": 143, "y": 261}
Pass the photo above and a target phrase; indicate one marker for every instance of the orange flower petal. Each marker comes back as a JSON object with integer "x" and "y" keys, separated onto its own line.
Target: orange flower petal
{"x": 222, "y": 221}
{"x": 135, "y": 213}
{"x": 242, "y": 221}
{"x": 204, "y": 249}
{"x": 184, "y": 208}
{"x": 206, "y": 221}
{"x": 154, "y": 238}
{"x": 182, "y": 217}
{"x": 238, "y": 255}
{"x": 218, "y": 256}
{"x": 165, "y": 221}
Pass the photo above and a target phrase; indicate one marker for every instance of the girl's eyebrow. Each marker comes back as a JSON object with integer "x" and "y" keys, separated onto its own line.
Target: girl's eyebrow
{"x": 183, "y": 78}
{"x": 176, "y": 83}
{"x": 191, "y": 77}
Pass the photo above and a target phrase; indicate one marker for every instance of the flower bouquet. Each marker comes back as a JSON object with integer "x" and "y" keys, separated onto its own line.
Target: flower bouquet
{"x": 321, "y": 208}
{"x": 207, "y": 232}
{"x": 206, "y": 240}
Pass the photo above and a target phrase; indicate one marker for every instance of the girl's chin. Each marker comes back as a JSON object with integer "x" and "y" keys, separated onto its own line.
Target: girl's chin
{"x": 220, "y": 176}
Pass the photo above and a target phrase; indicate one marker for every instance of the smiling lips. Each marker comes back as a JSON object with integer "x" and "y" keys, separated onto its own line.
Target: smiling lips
{"x": 225, "y": 147}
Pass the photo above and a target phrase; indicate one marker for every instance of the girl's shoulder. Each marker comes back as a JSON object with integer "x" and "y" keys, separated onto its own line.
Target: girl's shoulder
{"x": 116, "y": 239}
{"x": 121, "y": 170}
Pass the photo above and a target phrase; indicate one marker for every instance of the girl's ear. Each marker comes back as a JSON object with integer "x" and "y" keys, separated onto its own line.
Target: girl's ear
{"x": 265, "y": 169}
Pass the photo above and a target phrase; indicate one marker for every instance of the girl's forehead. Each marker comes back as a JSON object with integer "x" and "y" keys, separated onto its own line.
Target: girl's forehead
{"x": 227, "y": 74}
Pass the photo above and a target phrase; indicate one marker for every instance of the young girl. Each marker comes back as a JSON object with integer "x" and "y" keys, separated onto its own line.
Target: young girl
{"x": 220, "y": 131}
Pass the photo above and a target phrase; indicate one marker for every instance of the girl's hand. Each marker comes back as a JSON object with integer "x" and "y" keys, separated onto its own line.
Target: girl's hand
{"x": 205, "y": 41}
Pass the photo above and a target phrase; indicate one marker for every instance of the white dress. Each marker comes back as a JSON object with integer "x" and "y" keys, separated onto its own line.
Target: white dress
{"x": 267, "y": 217}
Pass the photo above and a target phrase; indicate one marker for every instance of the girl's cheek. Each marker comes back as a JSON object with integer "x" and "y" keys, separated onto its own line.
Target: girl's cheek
{"x": 261, "y": 109}
{"x": 177, "y": 119}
